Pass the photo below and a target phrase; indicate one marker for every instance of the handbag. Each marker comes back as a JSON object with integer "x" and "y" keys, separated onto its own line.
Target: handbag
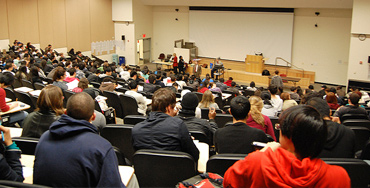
{"x": 205, "y": 180}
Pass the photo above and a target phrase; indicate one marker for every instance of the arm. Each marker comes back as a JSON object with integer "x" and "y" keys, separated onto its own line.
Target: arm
{"x": 3, "y": 106}
{"x": 187, "y": 143}
{"x": 109, "y": 174}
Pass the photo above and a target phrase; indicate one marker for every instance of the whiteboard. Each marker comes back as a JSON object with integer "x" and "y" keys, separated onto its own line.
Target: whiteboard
{"x": 234, "y": 35}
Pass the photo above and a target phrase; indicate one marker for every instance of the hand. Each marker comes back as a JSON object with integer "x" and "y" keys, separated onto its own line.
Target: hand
{"x": 13, "y": 105}
{"x": 272, "y": 145}
{"x": 212, "y": 113}
{"x": 336, "y": 119}
{"x": 7, "y": 138}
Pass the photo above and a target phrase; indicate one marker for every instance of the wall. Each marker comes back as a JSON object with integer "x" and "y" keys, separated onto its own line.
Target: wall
{"x": 127, "y": 29}
{"x": 359, "y": 50}
{"x": 323, "y": 49}
{"x": 122, "y": 10}
{"x": 166, "y": 29}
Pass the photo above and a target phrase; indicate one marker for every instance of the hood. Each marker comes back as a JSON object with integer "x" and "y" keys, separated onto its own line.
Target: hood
{"x": 335, "y": 134}
{"x": 156, "y": 116}
{"x": 67, "y": 126}
{"x": 70, "y": 79}
{"x": 282, "y": 168}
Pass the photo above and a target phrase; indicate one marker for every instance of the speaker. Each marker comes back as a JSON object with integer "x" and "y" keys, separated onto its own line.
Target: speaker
{"x": 368, "y": 60}
{"x": 123, "y": 37}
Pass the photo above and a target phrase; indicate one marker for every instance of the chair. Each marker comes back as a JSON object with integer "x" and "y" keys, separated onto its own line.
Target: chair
{"x": 34, "y": 99}
{"x": 49, "y": 80}
{"x": 26, "y": 144}
{"x": 198, "y": 135}
{"x": 199, "y": 95}
{"x": 122, "y": 89}
{"x": 113, "y": 101}
{"x": 357, "y": 122}
{"x": 365, "y": 154}
{"x": 120, "y": 136}
{"x": 10, "y": 93}
{"x": 120, "y": 157}
{"x": 274, "y": 121}
{"x": 362, "y": 135}
{"x": 161, "y": 56}
{"x": 9, "y": 184}
{"x": 353, "y": 116}
{"x": 26, "y": 98}
{"x": 248, "y": 93}
{"x": 129, "y": 105}
{"x": 221, "y": 162}
{"x": 222, "y": 119}
{"x": 219, "y": 102}
{"x": 205, "y": 111}
{"x": 67, "y": 94}
{"x": 188, "y": 88}
{"x": 134, "y": 119}
{"x": 95, "y": 84}
{"x": 27, "y": 83}
{"x": 38, "y": 86}
{"x": 154, "y": 168}
{"x": 16, "y": 84}
{"x": 357, "y": 169}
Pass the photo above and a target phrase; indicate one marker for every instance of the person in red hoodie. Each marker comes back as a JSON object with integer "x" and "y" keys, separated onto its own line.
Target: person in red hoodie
{"x": 175, "y": 64}
{"x": 293, "y": 162}
{"x": 228, "y": 82}
{"x": 72, "y": 77}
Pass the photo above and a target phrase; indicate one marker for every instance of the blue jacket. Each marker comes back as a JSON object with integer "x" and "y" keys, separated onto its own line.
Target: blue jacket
{"x": 72, "y": 154}
{"x": 10, "y": 166}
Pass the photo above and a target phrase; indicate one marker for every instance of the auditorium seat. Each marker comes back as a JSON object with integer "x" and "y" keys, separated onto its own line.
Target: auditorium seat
{"x": 134, "y": 119}
{"x": 222, "y": 119}
{"x": 27, "y": 83}
{"x": 129, "y": 105}
{"x": 10, "y": 93}
{"x": 114, "y": 102}
{"x": 38, "y": 86}
{"x": 205, "y": 111}
{"x": 10, "y": 184}
{"x": 26, "y": 144}
{"x": 357, "y": 122}
{"x": 25, "y": 98}
{"x": 221, "y": 162}
{"x": 353, "y": 116}
{"x": 199, "y": 135}
{"x": 362, "y": 135}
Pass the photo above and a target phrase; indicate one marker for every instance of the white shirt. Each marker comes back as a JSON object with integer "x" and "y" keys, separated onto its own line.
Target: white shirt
{"x": 277, "y": 103}
{"x": 141, "y": 103}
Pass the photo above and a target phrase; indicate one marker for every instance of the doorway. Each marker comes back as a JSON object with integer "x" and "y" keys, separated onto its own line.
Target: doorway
{"x": 144, "y": 50}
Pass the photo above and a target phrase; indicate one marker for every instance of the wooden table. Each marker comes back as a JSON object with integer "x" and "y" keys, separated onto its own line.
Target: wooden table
{"x": 16, "y": 109}
{"x": 291, "y": 79}
{"x": 167, "y": 64}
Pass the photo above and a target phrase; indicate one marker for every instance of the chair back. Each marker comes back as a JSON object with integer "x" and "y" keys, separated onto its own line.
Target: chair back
{"x": 129, "y": 105}
{"x": 221, "y": 162}
{"x": 248, "y": 93}
{"x": 362, "y": 135}
{"x": 120, "y": 157}
{"x": 27, "y": 83}
{"x": 357, "y": 122}
{"x": 8, "y": 183}
{"x": 26, "y": 98}
{"x": 357, "y": 169}
{"x": 353, "y": 116}
{"x": 120, "y": 136}
{"x": 198, "y": 135}
{"x": 134, "y": 119}
{"x": 274, "y": 121}
{"x": 95, "y": 84}
{"x": 205, "y": 111}
{"x": 113, "y": 101}
{"x": 188, "y": 88}
{"x": 26, "y": 144}
{"x": 155, "y": 168}
{"x": 34, "y": 100}
{"x": 17, "y": 84}
{"x": 365, "y": 154}
{"x": 10, "y": 94}
{"x": 219, "y": 102}
{"x": 222, "y": 119}
{"x": 199, "y": 95}
{"x": 38, "y": 86}
{"x": 122, "y": 90}
{"x": 68, "y": 94}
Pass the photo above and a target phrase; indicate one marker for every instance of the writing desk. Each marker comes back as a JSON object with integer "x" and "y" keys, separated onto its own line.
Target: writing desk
{"x": 203, "y": 155}
{"x": 8, "y": 100}
{"x": 23, "y": 89}
{"x": 167, "y": 64}
{"x": 16, "y": 109}
{"x": 15, "y": 132}
{"x": 35, "y": 93}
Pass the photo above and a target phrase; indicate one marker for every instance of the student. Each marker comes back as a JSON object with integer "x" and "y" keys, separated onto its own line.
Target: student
{"x": 58, "y": 78}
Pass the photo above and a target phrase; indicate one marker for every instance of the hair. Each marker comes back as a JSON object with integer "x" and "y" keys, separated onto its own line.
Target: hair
{"x": 293, "y": 88}
{"x": 252, "y": 84}
{"x": 8, "y": 65}
{"x": 152, "y": 78}
{"x": 51, "y": 99}
{"x": 354, "y": 97}
{"x": 285, "y": 96}
{"x": 256, "y": 108}
{"x": 310, "y": 87}
{"x": 83, "y": 83}
{"x": 332, "y": 89}
{"x": 80, "y": 106}
{"x": 59, "y": 73}
{"x": 107, "y": 69}
{"x": 277, "y": 72}
{"x": 132, "y": 84}
{"x": 163, "y": 98}
{"x": 233, "y": 84}
{"x": 81, "y": 65}
{"x": 133, "y": 73}
{"x": 305, "y": 127}
{"x": 222, "y": 80}
{"x": 34, "y": 72}
{"x": 239, "y": 107}
{"x": 331, "y": 98}
{"x": 72, "y": 71}
{"x": 266, "y": 97}
{"x": 273, "y": 89}
{"x": 231, "y": 78}
{"x": 204, "y": 84}
{"x": 173, "y": 78}
{"x": 7, "y": 78}
{"x": 320, "y": 105}
{"x": 207, "y": 99}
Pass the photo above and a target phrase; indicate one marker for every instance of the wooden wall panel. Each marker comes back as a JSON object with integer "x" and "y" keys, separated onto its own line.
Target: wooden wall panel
{"x": 78, "y": 25}
{"x": 59, "y": 23}
{"x": 15, "y": 20}
{"x": 4, "y": 33}
{"x": 102, "y": 26}
{"x": 45, "y": 22}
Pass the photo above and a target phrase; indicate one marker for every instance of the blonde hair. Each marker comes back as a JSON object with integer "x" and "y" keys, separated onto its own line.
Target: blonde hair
{"x": 207, "y": 99}
{"x": 256, "y": 108}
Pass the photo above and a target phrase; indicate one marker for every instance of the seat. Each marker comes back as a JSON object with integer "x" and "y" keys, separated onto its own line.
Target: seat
{"x": 134, "y": 119}
{"x": 49, "y": 80}
{"x": 205, "y": 111}
{"x": 362, "y": 135}
{"x": 365, "y": 154}
{"x": 27, "y": 83}
{"x": 38, "y": 86}
{"x": 129, "y": 105}
{"x": 95, "y": 84}
{"x": 357, "y": 122}
{"x": 26, "y": 98}
{"x": 16, "y": 84}
{"x": 122, "y": 89}
{"x": 357, "y": 169}
{"x": 161, "y": 56}
{"x": 248, "y": 93}
{"x": 221, "y": 162}
{"x": 274, "y": 121}
{"x": 11, "y": 184}
{"x": 155, "y": 168}
{"x": 222, "y": 119}
{"x": 113, "y": 101}
{"x": 120, "y": 136}
{"x": 353, "y": 116}
{"x": 10, "y": 94}
{"x": 120, "y": 157}
{"x": 67, "y": 94}
{"x": 219, "y": 102}
{"x": 199, "y": 95}
{"x": 34, "y": 100}
{"x": 26, "y": 144}
{"x": 198, "y": 135}
{"x": 188, "y": 88}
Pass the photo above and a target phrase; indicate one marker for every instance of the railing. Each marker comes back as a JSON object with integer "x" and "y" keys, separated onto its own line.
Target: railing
{"x": 288, "y": 63}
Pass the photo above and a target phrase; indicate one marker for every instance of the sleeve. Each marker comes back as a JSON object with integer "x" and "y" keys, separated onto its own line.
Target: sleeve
{"x": 3, "y": 106}
{"x": 187, "y": 143}
{"x": 238, "y": 174}
{"x": 10, "y": 166}
{"x": 109, "y": 175}
{"x": 270, "y": 128}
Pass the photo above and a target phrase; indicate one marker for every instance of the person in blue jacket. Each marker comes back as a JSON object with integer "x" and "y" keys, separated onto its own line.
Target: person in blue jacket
{"x": 72, "y": 154}
{"x": 10, "y": 166}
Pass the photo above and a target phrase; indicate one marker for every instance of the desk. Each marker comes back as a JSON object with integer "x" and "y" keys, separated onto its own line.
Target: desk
{"x": 167, "y": 64}
{"x": 27, "y": 161}
{"x": 35, "y": 93}
{"x": 23, "y": 89}
{"x": 16, "y": 109}
{"x": 8, "y": 100}
{"x": 15, "y": 132}
{"x": 203, "y": 155}
{"x": 292, "y": 79}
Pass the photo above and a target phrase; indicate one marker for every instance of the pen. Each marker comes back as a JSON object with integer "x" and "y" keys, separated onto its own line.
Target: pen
{"x": 2, "y": 136}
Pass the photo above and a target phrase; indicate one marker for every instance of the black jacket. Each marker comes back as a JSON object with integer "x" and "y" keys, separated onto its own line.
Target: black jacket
{"x": 238, "y": 138}
{"x": 36, "y": 123}
{"x": 350, "y": 109}
{"x": 340, "y": 142}
{"x": 10, "y": 166}
{"x": 149, "y": 88}
{"x": 163, "y": 132}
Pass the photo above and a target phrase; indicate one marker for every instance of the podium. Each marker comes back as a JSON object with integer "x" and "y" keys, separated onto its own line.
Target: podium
{"x": 254, "y": 63}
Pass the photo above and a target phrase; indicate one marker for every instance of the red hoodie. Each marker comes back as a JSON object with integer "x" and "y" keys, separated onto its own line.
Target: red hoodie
{"x": 228, "y": 83}
{"x": 282, "y": 169}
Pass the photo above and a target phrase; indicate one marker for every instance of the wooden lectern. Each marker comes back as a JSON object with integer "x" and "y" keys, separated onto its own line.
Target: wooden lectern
{"x": 254, "y": 63}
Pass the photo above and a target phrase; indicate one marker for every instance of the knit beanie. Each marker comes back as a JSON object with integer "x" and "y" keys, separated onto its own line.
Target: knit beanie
{"x": 189, "y": 101}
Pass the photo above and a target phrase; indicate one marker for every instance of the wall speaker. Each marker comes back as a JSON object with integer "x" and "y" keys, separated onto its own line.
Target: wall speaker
{"x": 123, "y": 37}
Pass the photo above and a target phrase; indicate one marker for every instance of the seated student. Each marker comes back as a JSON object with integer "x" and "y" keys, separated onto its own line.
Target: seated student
{"x": 287, "y": 102}
{"x": 268, "y": 109}
{"x": 352, "y": 108}
{"x": 208, "y": 78}
{"x": 34, "y": 76}
{"x": 106, "y": 73}
{"x": 6, "y": 80}
{"x": 340, "y": 142}
{"x": 82, "y": 84}
{"x": 9, "y": 68}
{"x": 135, "y": 76}
{"x": 72, "y": 75}
{"x": 125, "y": 74}
{"x": 10, "y": 165}
{"x": 332, "y": 101}
{"x": 158, "y": 80}
{"x": 79, "y": 70}
{"x": 171, "y": 133}
{"x": 252, "y": 86}
{"x": 108, "y": 84}
{"x": 220, "y": 84}
{"x": 204, "y": 87}
{"x": 187, "y": 113}
{"x": 277, "y": 102}
{"x": 208, "y": 101}
{"x": 228, "y": 82}
{"x": 141, "y": 102}
{"x": 49, "y": 109}
{"x": 238, "y": 137}
{"x": 58, "y": 78}
{"x": 150, "y": 87}
{"x": 233, "y": 88}
{"x": 180, "y": 81}
{"x": 94, "y": 77}
{"x": 214, "y": 88}
{"x": 73, "y": 145}
{"x": 193, "y": 82}
{"x": 171, "y": 81}
{"x": 293, "y": 162}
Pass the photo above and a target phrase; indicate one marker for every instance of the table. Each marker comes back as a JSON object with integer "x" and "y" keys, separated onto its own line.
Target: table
{"x": 16, "y": 109}
{"x": 35, "y": 93}
{"x": 27, "y": 161}
{"x": 23, "y": 89}
{"x": 168, "y": 64}
{"x": 292, "y": 79}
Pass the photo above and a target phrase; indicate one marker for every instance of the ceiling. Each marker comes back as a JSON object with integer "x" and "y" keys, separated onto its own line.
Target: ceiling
{"x": 347, "y": 4}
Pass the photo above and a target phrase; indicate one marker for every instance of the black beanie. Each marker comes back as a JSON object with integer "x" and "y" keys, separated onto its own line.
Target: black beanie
{"x": 189, "y": 101}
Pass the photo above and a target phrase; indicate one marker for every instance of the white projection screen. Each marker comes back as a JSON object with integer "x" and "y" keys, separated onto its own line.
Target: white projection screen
{"x": 233, "y": 35}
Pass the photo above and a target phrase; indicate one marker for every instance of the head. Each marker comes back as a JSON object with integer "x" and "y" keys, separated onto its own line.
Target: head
{"x": 323, "y": 87}
{"x": 133, "y": 75}
{"x": 132, "y": 85}
{"x": 51, "y": 99}
{"x": 252, "y": 84}
{"x": 320, "y": 105}
{"x": 310, "y": 87}
{"x": 285, "y": 96}
{"x": 256, "y": 108}
{"x": 59, "y": 74}
{"x": 164, "y": 100}
{"x": 152, "y": 78}
{"x": 189, "y": 101}
{"x": 233, "y": 84}
{"x": 222, "y": 80}
{"x": 354, "y": 98}
{"x": 273, "y": 89}
{"x": 8, "y": 66}
{"x": 331, "y": 98}
{"x": 83, "y": 83}
{"x": 302, "y": 131}
{"x": 6, "y": 79}
{"x": 277, "y": 72}
{"x": 72, "y": 72}
{"x": 293, "y": 89}
{"x": 207, "y": 99}
{"x": 239, "y": 108}
{"x": 266, "y": 97}
{"x": 81, "y": 106}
